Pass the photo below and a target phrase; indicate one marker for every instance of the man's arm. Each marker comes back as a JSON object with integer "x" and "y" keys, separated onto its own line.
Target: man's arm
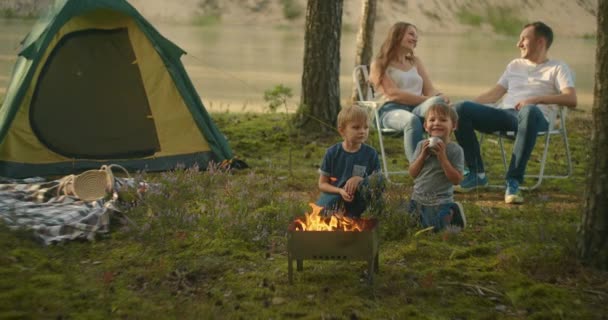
{"x": 492, "y": 95}
{"x": 566, "y": 98}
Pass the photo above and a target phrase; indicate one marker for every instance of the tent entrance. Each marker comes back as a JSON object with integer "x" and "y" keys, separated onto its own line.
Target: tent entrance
{"x": 90, "y": 101}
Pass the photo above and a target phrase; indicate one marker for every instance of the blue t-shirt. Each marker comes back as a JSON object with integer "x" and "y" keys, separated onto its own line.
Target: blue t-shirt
{"x": 340, "y": 165}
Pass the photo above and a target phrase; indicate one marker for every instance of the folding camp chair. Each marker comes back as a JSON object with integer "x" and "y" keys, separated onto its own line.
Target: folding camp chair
{"x": 557, "y": 126}
{"x": 366, "y": 97}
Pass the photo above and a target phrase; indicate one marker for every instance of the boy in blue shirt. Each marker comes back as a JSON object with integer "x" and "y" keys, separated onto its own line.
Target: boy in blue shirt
{"x": 350, "y": 177}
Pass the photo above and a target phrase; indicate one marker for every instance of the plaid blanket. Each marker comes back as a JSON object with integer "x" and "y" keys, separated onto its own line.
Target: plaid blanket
{"x": 33, "y": 204}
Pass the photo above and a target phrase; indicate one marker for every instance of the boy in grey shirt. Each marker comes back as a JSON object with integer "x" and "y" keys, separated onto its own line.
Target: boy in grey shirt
{"x": 438, "y": 166}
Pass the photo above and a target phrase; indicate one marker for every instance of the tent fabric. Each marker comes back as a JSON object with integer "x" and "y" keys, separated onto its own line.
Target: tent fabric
{"x": 96, "y": 120}
{"x": 95, "y": 83}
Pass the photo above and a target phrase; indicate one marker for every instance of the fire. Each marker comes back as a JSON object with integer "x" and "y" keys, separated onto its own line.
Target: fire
{"x": 314, "y": 221}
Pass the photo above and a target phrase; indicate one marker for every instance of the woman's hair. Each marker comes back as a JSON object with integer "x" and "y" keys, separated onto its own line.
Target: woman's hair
{"x": 389, "y": 49}
{"x": 442, "y": 109}
{"x": 351, "y": 114}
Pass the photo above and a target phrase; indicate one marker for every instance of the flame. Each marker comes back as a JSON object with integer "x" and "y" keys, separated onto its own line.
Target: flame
{"x": 314, "y": 221}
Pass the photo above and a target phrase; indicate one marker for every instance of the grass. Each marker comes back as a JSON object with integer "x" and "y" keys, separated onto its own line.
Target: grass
{"x": 505, "y": 20}
{"x": 212, "y": 244}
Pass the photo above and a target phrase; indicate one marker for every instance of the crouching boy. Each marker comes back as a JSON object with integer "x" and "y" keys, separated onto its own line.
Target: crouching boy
{"x": 350, "y": 178}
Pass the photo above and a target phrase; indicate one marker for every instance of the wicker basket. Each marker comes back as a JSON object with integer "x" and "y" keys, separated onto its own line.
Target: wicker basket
{"x": 90, "y": 185}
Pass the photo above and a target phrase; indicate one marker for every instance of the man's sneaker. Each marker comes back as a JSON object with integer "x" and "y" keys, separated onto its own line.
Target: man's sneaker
{"x": 459, "y": 219}
{"x": 512, "y": 194}
{"x": 470, "y": 182}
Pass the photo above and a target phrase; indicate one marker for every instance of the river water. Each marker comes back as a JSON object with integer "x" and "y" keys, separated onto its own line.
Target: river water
{"x": 232, "y": 65}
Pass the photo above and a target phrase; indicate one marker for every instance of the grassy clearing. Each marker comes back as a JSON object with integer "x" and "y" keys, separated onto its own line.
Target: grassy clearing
{"x": 212, "y": 245}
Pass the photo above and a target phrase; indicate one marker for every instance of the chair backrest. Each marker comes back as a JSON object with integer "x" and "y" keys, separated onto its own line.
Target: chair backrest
{"x": 557, "y": 121}
{"x": 365, "y": 92}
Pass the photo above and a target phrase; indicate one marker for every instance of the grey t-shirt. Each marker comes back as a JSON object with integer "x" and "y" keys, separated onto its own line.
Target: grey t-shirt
{"x": 431, "y": 186}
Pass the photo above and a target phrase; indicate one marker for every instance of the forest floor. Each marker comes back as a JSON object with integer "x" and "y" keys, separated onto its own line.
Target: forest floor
{"x": 213, "y": 245}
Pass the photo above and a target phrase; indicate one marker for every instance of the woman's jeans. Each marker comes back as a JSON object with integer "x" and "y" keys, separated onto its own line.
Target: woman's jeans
{"x": 409, "y": 120}
{"x": 526, "y": 122}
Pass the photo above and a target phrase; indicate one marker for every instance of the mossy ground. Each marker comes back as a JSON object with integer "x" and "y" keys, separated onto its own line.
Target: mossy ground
{"x": 212, "y": 245}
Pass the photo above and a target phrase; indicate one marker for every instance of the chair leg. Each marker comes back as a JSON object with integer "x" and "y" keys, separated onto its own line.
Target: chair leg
{"x": 382, "y": 151}
{"x": 543, "y": 162}
{"x": 503, "y": 154}
{"x": 568, "y": 154}
{"x": 541, "y": 174}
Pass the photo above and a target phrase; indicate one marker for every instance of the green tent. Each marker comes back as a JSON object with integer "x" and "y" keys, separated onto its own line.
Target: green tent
{"x": 95, "y": 84}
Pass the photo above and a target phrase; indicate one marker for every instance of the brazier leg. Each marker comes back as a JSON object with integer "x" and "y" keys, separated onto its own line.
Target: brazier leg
{"x": 377, "y": 264}
{"x": 300, "y": 265}
{"x": 290, "y": 269}
{"x": 370, "y": 270}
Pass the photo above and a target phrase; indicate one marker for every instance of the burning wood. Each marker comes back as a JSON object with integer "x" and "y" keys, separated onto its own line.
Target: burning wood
{"x": 314, "y": 221}
{"x": 307, "y": 238}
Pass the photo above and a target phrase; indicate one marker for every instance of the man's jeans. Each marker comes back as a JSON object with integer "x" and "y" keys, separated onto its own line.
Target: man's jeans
{"x": 407, "y": 119}
{"x": 526, "y": 122}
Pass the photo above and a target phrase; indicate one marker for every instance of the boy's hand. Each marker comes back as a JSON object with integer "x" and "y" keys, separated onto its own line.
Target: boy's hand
{"x": 346, "y": 196}
{"x": 440, "y": 151}
{"x": 352, "y": 184}
{"x": 426, "y": 151}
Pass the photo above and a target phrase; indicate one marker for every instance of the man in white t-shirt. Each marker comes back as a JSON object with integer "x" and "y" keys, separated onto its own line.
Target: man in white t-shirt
{"x": 530, "y": 87}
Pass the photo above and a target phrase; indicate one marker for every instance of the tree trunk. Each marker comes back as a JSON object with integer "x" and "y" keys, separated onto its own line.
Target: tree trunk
{"x": 593, "y": 232}
{"x": 365, "y": 42}
{"x": 320, "y": 100}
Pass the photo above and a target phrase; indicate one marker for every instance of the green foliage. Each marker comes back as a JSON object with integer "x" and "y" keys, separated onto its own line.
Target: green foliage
{"x": 277, "y": 97}
{"x": 212, "y": 244}
{"x": 590, "y": 36}
{"x": 348, "y": 28}
{"x": 212, "y": 13}
{"x": 432, "y": 15}
{"x": 291, "y": 9}
{"x": 504, "y": 20}
{"x": 8, "y": 13}
{"x": 469, "y": 18}
{"x": 207, "y": 20}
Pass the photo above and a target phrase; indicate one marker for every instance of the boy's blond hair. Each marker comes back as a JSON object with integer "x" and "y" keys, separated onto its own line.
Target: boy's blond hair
{"x": 442, "y": 109}
{"x": 351, "y": 114}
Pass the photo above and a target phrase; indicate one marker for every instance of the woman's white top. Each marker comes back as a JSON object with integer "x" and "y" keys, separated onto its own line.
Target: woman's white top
{"x": 409, "y": 81}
